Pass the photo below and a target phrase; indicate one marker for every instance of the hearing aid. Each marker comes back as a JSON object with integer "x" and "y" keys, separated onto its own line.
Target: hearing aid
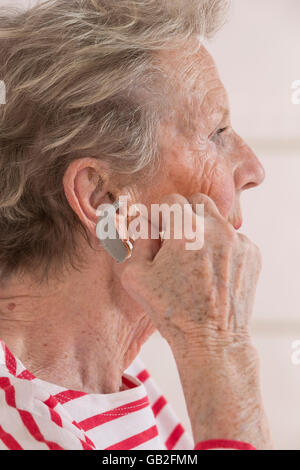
{"x": 118, "y": 249}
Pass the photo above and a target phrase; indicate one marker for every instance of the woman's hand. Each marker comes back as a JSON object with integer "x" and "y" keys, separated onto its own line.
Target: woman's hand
{"x": 194, "y": 296}
{"x": 201, "y": 302}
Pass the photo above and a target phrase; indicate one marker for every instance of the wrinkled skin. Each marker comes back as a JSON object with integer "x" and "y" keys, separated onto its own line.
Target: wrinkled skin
{"x": 102, "y": 324}
{"x": 197, "y": 157}
{"x": 187, "y": 292}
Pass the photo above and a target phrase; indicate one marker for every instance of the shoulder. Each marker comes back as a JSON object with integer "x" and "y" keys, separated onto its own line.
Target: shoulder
{"x": 31, "y": 419}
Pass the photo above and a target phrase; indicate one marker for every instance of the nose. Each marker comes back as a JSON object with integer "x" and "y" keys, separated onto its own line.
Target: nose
{"x": 248, "y": 172}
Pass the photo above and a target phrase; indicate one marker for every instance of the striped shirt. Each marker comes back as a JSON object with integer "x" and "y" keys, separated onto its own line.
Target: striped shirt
{"x": 35, "y": 414}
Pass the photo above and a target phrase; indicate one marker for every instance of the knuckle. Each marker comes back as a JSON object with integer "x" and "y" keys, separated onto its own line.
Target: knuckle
{"x": 229, "y": 233}
{"x": 219, "y": 230}
{"x": 199, "y": 198}
{"x": 247, "y": 246}
{"x": 209, "y": 205}
{"x": 244, "y": 240}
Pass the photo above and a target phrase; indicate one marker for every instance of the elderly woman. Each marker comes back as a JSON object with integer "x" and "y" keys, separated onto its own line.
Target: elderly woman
{"x": 105, "y": 99}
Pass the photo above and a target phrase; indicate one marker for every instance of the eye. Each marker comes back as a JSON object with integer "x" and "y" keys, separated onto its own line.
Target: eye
{"x": 214, "y": 137}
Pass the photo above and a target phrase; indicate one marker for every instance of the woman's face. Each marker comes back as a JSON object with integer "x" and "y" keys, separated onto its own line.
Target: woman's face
{"x": 201, "y": 151}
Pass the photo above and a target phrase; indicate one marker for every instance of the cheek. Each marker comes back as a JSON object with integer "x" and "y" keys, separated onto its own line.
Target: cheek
{"x": 218, "y": 184}
{"x": 198, "y": 173}
{"x": 189, "y": 171}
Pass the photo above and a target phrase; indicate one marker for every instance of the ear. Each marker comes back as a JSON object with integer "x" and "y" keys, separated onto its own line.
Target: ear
{"x": 87, "y": 185}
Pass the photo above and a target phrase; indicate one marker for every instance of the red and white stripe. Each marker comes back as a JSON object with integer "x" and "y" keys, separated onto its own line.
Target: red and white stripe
{"x": 35, "y": 414}
{"x": 170, "y": 429}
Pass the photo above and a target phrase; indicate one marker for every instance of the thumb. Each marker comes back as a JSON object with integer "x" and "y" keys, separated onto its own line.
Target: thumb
{"x": 209, "y": 205}
{"x": 145, "y": 249}
{"x": 134, "y": 273}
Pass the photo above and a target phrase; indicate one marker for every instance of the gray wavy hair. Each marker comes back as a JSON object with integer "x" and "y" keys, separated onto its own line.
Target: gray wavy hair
{"x": 82, "y": 79}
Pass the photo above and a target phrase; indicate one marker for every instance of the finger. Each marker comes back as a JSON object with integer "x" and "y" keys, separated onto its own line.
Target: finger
{"x": 145, "y": 248}
{"x": 255, "y": 250}
{"x": 133, "y": 271}
{"x": 210, "y": 206}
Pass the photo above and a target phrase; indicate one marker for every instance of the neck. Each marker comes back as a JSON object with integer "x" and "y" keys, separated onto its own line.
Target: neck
{"x": 73, "y": 333}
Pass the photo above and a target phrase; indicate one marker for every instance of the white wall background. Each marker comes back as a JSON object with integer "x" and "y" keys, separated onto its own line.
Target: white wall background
{"x": 258, "y": 53}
